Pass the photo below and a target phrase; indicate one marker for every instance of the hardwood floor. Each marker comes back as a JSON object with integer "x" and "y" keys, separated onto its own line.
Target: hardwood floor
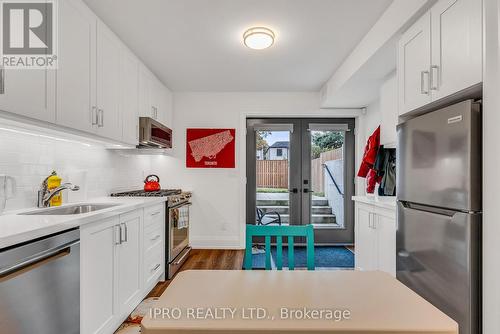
{"x": 206, "y": 259}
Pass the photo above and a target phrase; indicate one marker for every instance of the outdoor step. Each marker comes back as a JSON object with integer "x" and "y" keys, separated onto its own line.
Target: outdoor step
{"x": 316, "y": 210}
{"x": 316, "y": 219}
{"x": 273, "y": 208}
{"x": 321, "y": 210}
{"x": 282, "y": 202}
{"x": 272, "y": 202}
{"x": 324, "y": 219}
{"x": 320, "y": 202}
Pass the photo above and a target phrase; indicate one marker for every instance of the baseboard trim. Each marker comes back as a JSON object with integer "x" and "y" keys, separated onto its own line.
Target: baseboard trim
{"x": 229, "y": 242}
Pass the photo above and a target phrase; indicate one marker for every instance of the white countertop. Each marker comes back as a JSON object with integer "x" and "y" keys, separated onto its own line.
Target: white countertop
{"x": 15, "y": 228}
{"x": 376, "y": 303}
{"x": 388, "y": 202}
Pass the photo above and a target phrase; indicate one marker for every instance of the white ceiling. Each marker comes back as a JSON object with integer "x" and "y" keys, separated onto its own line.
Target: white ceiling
{"x": 196, "y": 45}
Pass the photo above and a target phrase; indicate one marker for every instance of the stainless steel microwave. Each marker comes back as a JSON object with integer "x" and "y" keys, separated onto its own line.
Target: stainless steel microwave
{"x": 153, "y": 134}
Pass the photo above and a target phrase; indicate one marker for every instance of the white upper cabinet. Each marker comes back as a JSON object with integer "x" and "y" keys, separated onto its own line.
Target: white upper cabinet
{"x": 155, "y": 100}
{"x": 109, "y": 50}
{"x": 76, "y": 94}
{"x": 166, "y": 107}
{"x": 38, "y": 84}
{"x": 100, "y": 87}
{"x": 456, "y": 46}
{"x": 414, "y": 65}
{"x": 129, "y": 106}
{"x": 441, "y": 54}
{"x": 389, "y": 111}
{"x": 145, "y": 87}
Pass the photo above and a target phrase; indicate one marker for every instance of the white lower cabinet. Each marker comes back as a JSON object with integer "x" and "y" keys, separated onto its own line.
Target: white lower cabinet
{"x": 375, "y": 238}
{"x": 129, "y": 262}
{"x": 113, "y": 263}
{"x": 98, "y": 263}
{"x": 154, "y": 245}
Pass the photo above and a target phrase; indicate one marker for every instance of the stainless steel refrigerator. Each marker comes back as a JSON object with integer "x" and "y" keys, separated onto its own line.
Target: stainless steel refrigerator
{"x": 439, "y": 210}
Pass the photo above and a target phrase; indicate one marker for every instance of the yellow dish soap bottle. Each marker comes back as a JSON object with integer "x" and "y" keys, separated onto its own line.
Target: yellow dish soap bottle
{"x": 53, "y": 182}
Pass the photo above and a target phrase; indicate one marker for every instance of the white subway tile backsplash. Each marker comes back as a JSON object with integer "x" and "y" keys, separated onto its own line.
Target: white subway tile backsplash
{"x": 30, "y": 158}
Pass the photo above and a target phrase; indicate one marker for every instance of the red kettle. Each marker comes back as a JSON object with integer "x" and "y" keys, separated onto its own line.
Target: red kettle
{"x": 152, "y": 183}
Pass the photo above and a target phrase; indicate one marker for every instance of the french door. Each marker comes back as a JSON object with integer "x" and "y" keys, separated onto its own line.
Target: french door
{"x": 301, "y": 171}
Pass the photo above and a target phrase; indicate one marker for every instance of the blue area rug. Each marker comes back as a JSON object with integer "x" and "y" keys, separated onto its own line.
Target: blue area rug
{"x": 324, "y": 257}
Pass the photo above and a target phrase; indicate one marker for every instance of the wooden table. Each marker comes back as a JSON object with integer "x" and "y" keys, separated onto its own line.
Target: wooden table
{"x": 340, "y": 301}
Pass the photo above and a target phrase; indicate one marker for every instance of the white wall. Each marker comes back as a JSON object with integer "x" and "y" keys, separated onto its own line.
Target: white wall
{"x": 30, "y": 158}
{"x": 368, "y": 122}
{"x": 218, "y": 213}
{"x": 491, "y": 161}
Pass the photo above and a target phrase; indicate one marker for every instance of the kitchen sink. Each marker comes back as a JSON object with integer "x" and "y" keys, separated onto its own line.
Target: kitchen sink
{"x": 69, "y": 210}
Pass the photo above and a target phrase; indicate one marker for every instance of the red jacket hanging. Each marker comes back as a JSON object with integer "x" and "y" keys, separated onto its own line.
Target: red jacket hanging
{"x": 369, "y": 157}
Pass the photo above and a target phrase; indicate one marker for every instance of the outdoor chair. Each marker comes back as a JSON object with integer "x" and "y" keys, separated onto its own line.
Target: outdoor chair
{"x": 268, "y": 218}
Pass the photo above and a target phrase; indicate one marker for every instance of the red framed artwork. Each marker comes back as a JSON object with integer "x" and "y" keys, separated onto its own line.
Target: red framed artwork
{"x": 210, "y": 148}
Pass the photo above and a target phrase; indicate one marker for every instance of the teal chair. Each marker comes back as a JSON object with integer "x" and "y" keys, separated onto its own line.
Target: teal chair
{"x": 279, "y": 232}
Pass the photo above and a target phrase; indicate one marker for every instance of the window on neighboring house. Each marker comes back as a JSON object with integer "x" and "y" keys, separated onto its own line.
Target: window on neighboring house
{"x": 279, "y": 152}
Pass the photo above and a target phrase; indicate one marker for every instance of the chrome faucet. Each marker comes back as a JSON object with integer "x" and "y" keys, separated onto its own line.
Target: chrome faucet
{"x": 45, "y": 195}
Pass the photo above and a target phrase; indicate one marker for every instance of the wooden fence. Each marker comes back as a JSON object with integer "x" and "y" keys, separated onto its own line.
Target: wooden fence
{"x": 272, "y": 174}
{"x": 317, "y": 174}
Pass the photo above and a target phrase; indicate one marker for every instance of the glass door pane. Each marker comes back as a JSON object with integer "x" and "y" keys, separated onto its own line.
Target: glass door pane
{"x": 272, "y": 176}
{"x": 327, "y": 178}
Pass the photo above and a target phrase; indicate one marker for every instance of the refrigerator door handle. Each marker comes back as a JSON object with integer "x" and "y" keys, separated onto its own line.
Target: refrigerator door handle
{"x": 429, "y": 209}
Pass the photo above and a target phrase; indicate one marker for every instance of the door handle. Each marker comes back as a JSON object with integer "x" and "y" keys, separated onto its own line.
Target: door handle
{"x": 124, "y": 232}
{"x": 306, "y": 191}
{"x": 422, "y": 82}
{"x": 434, "y": 82}
{"x": 293, "y": 191}
{"x": 119, "y": 238}
{"x": 43, "y": 256}
{"x": 2, "y": 80}
{"x": 100, "y": 118}
{"x": 94, "y": 115}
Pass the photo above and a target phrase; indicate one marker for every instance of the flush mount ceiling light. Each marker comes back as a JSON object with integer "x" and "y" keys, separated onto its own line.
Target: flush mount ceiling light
{"x": 258, "y": 38}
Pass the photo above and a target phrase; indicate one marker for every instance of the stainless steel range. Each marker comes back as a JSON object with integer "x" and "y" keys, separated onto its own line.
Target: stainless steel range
{"x": 176, "y": 224}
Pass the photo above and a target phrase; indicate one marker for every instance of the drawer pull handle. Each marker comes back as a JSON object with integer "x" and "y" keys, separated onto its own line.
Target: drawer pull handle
{"x": 156, "y": 213}
{"x": 156, "y": 237}
{"x": 156, "y": 267}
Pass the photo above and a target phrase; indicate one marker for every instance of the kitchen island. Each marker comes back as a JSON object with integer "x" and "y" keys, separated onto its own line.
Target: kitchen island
{"x": 340, "y": 301}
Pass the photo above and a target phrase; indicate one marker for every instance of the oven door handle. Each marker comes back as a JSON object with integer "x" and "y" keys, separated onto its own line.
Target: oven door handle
{"x": 180, "y": 205}
{"x": 188, "y": 249}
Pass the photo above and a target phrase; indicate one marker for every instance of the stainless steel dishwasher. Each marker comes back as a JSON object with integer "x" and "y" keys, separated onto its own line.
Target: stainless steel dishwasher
{"x": 40, "y": 286}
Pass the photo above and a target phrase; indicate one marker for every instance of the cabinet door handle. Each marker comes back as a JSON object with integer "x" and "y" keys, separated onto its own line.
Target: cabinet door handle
{"x": 423, "y": 74}
{"x": 123, "y": 232}
{"x": 100, "y": 118}
{"x": 2, "y": 80}
{"x": 156, "y": 267}
{"x": 94, "y": 115}
{"x": 156, "y": 237}
{"x": 156, "y": 213}
{"x": 434, "y": 79}
{"x": 119, "y": 239}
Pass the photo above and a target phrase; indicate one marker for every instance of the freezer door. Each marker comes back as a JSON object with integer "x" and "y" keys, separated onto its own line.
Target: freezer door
{"x": 439, "y": 158}
{"x": 438, "y": 257}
